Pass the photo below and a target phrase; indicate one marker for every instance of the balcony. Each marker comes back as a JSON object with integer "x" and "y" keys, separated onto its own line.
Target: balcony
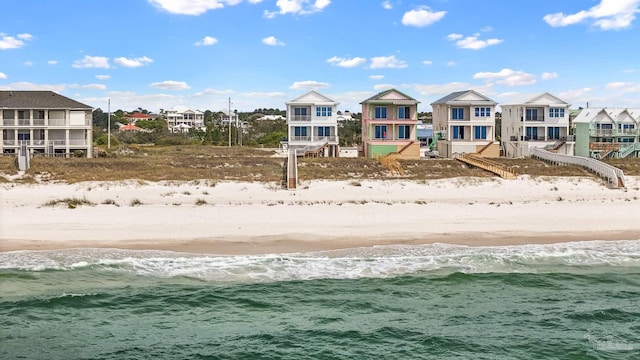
{"x": 300, "y": 118}
{"x": 8, "y": 142}
{"x": 626, "y": 132}
{"x": 532, "y": 118}
{"x": 57, "y": 122}
{"x": 601, "y": 132}
{"x": 8, "y": 122}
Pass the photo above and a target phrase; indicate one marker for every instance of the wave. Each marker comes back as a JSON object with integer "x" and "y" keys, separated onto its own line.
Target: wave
{"x": 371, "y": 262}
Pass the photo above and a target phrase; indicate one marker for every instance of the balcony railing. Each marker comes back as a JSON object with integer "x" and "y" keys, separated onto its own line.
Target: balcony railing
{"x": 24, "y": 122}
{"x": 8, "y": 122}
{"x": 300, "y": 138}
{"x": 38, "y": 122}
{"x": 626, "y": 132}
{"x": 57, "y": 122}
{"x": 8, "y": 142}
{"x": 331, "y": 138}
{"x": 532, "y": 118}
{"x": 601, "y": 132}
{"x": 301, "y": 118}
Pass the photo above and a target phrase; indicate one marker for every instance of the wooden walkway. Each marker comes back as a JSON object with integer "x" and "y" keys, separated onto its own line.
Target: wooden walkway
{"x": 505, "y": 172}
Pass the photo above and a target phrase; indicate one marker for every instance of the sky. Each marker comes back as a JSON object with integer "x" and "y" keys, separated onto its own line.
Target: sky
{"x": 249, "y": 54}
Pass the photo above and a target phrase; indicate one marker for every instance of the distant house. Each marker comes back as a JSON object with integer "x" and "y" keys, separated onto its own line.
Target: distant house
{"x": 464, "y": 122}
{"x": 133, "y": 117}
{"x": 602, "y": 133}
{"x": 45, "y": 122}
{"x": 130, "y": 127}
{"x": 312, "y": 123}
{"x": 270, "y": 118}
{"x": 180, "y": 119}
{"x": 227, "y": 116}
{"x": 536, "y": 121}
{"x": 389, "y": 122}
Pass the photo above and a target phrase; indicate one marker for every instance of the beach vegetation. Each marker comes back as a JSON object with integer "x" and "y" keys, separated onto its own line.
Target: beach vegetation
{"x": 135, "y": 202}
{"x": 71, "y": 203}
{"x": 201, "y": 202}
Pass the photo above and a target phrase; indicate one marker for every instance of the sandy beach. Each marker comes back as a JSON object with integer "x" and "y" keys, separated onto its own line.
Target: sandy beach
{"x": 248, "y": 218}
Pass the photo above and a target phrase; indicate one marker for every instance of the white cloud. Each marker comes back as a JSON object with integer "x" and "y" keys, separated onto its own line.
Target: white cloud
{"x": 623, "y": 87}
{"x": 31, "y": 86}
{"x": 3, "y": 75}
{"x": 427, "y": 62}
{"x": 387, "y": 5}
{"x": 52, "y": 62}
{"x": 272, "y": 41}
{"x": 297, "y": 7}
{"x": 472, "y": 42}
{"x": 607, "y": 15}
{"x": 507, "y": 77}
{"x": 28, "y": 63}
{"x": 381, "y": 87}
{"x": 257, "y": 94}
{"x": 207, "y": 41}
{"x": 451, "y": 63}
{"x": 103, "y": 77}
{"x": 549, "y": 75}
{"x": 422, "y": 16}
{"x": 308, "y": 85}
{"x": 194, "y": 7}
{"x": 381, "y": 62}
{"x": 133, "y": 63}
{"x": 170, "y": 85}
{"x": 88, "y": 62}
{"x": 376, "y": 77}
{"x": 88, "y": 86}
{"x": 347, "y": 63}
{"x": 10, "y": 42}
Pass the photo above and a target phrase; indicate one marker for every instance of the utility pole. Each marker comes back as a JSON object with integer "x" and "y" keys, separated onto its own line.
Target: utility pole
{"x": 109, "y": 124}
{"x": 229, "y": 119}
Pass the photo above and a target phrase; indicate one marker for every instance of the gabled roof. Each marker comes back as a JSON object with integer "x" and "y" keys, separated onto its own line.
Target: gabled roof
{"x": 466, "y": 97}
{"x": 183, "y": 110}
{"x": 535, "y": 99}
{"x": 589, "y": 115}
{"x": 139, "y": 116}
{"x": 391, "y": 96}
{"x": 13, "y": 99}
{"x": 312, "y": 98}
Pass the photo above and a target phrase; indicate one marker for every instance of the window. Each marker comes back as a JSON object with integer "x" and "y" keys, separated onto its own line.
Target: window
{"x": 403, "y": 132}
{"x": 480, "y": 132}
{"x": 553, "y": 133}
{"x": 380, "y": 132}
{"x": 300, "y": 113}
{"x": 556, "y": 112}
{"x": 381, "y": 112}
{"x": 323, "y": 111}
{"x": 8, "y": 114}
{"x": 404, "y": 112}
{"x": 324, "y": 131}
{"x": 532, "y": 115}
{"x": 457, "y": 113}
{"x": 532, "y": 133}
{"x": 300, "y": 131}
{"x": 483, "y": 112}
{"x": 458, "y": 132}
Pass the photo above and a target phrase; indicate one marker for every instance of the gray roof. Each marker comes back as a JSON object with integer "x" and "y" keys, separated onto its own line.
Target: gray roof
{"x": 12, "y": 99}
{"x": 376, "y": 99}
{"x": 451, "y": 99}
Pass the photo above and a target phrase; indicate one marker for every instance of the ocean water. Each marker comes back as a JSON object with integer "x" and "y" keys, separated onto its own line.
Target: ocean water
{"x": 576, "y": 300}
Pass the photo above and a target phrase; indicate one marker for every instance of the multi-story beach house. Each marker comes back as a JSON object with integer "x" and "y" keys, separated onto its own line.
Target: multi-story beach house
{"x": 535, "y": 121}
{"x": 227, "y": 116}
{"x": 312, "y": 124}
{"x": 602, "y": 133}
{"x": 181, "y": 119}
{"x": 45, "y": 122}
{"x": 389, "y": 123}
{"x": 464, "y": 122}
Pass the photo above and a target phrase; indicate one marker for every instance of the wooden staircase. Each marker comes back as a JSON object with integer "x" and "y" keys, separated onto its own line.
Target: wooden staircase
{"x": 505, "y": 172}
{"x": 485, "y": 147}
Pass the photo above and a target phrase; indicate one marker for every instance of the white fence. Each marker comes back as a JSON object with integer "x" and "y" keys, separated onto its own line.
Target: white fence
{"x": 613, "y": 175}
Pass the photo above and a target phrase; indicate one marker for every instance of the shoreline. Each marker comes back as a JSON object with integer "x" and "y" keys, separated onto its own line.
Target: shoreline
{"x": 294, "y": 244}
{"x": 234, "y": 218}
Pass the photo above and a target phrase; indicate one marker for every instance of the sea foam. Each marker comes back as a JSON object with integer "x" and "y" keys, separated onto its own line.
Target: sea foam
{"x": 372, "y": 262}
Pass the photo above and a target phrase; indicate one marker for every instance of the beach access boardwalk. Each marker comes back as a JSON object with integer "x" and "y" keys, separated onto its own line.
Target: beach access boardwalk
{"x": 611, "y": 174}
{"x": 505, "y": 172}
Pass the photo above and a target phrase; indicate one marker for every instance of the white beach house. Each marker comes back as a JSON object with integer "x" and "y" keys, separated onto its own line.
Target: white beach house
{"x": 312, "y": 123}
{"x": 465, "y": 122}
{"x": 535, "y": 121}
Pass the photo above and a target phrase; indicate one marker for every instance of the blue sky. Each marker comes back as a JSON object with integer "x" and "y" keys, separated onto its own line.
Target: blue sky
{"x": 157, "y": 54}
